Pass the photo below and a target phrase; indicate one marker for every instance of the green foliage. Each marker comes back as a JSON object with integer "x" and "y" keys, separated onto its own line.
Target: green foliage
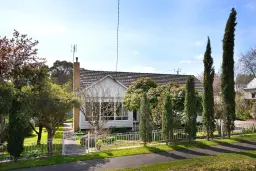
{"x": 62, "y": 72}
{"x": 177, "y": 92}
{"x": 7, "y": 94}
{"x": 99, "y": 144}
{"x": 227, "y": 77}
{"x": 135, "y": 92}
{"x": 244, "y": 108}
{"x": 208, "y": 101}
{"x": 190, "y": 108}
{"x": 15, "y": 130}
{"x": 28, "y": 129}
{"x": 119, "y": 130}
{"x": 167, "y": 119}
{"x": 145, "y": 120}
{"x": 50, "y": 102}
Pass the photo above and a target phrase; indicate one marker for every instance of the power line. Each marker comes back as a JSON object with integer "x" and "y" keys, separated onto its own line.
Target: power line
{"x": 117, "y": 30}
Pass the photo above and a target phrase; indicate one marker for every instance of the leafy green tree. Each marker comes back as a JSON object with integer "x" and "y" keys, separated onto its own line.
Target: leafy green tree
{"x": 227, "y": 77}
{"x": 135, "y": 92}
{"x": 208, "y": 101}
{"x": 167, "y": 119}
{"x": 62, "y": 72}
{"x": 39, "y": 77}
{"x": 52, "y": 102}
{"x": 177, "y": 92}
{"x": 190, "y": 108}
{"x": 145, "y": 120}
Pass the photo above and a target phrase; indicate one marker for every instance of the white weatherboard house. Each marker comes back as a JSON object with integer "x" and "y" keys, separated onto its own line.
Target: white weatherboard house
{"x": 114, "y": 85}
{"x": 250, "y": 90}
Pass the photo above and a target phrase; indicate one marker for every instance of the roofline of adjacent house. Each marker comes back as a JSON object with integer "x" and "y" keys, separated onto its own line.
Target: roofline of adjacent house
{"x": 245, "y": 89}
{"x": 137, "y": 72}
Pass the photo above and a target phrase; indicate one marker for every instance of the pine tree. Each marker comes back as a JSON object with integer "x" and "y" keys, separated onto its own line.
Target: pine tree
{"x": 15, "y": 131}
{"x": 208, "y": 101}
{"x": 227, "y": 76}
{"x": 167, "y": 119}
{"x": 145, "y": 120}
{"x": 190, "y": 108}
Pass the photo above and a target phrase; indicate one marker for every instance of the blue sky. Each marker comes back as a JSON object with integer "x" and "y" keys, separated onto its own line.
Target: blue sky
{"x": 155, "y": 35}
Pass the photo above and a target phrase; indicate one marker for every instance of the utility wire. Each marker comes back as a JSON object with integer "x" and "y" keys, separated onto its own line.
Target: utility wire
{"x": 117, "y": 30}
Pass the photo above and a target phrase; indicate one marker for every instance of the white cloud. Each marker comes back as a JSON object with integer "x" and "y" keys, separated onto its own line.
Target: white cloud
{"x": 199, "y": 43}
{"x": 186, "y": 62}
{"x": 251, "y": 6}
{"x": 200, "y": 56}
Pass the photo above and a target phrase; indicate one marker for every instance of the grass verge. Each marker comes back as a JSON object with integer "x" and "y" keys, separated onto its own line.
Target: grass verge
{"x": 124, "y": 152}
{"x": 234, "y": 161}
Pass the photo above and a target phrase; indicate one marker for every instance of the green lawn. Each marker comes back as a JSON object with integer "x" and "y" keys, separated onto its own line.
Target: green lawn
{"x": 125, "y": 152}
{"x": 245, "y": 160}
{"x": 33, "y": 138}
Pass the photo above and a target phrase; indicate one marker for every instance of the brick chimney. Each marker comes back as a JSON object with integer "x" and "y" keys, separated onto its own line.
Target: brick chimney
{"x": 76, "y": 88}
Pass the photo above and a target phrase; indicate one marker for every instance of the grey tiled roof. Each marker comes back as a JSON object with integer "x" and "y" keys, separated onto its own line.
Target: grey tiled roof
{"x": 87, "y": 77}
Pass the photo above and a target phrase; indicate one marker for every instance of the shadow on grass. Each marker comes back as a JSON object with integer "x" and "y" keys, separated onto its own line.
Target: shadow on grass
{"x": 164, "y": 153}
{"x": 185, "y": 150}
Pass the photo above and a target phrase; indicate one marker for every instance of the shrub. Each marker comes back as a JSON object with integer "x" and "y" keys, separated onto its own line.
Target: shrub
{"x": 4, "y": 134}
{"x": 249, "y": 131}
{"x": 99, "y": 144}
{"x": 3, "y": 148}
{"x": 108, "y": 140}
{"x": 119, "y": 130}
{"x": 34, "y": 153}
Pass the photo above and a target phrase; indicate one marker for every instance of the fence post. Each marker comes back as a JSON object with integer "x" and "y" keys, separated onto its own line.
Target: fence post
{"x": 95, "y": 136}
{"x": 88, "y": 142}
{"x": 63, "y": 144}
{"x": 221, "y": 129}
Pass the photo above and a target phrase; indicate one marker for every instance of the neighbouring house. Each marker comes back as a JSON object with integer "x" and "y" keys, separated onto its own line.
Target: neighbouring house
{"x": 106, "y": 89}
{"x": 250, "y": 90}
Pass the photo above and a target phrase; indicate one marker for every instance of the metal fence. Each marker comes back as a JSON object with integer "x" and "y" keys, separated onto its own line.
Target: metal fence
{"x": 80, "y": 143}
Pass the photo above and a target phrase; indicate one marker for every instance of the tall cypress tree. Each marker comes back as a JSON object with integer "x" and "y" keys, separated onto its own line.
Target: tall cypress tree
{"x": 15, "y": 131}
{"x": 167, "y": 119}
{"x": 145, "y": 120}
{"x": 208, "y": 101}
{"x": 190, "y": 108}
{"x": 227, "y": 76}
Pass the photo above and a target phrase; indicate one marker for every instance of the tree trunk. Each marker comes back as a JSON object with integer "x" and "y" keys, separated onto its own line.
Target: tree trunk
{"x": 2, "y": 128}
{"x": 39, "y": 135}
{"x": 208, "y": 135}
{"x": 49, "y": 141}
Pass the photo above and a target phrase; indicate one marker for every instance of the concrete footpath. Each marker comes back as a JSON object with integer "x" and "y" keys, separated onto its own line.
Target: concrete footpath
{"x": 138, "y": 160}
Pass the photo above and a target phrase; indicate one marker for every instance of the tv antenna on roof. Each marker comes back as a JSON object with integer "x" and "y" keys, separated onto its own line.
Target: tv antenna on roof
{"x": 74, "y": 50}
{"x": 177, "y": 71}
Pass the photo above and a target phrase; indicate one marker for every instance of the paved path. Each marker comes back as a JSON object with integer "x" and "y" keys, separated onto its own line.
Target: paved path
{"x": 137, "y": 160}
{"x": 72, "y": 145}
